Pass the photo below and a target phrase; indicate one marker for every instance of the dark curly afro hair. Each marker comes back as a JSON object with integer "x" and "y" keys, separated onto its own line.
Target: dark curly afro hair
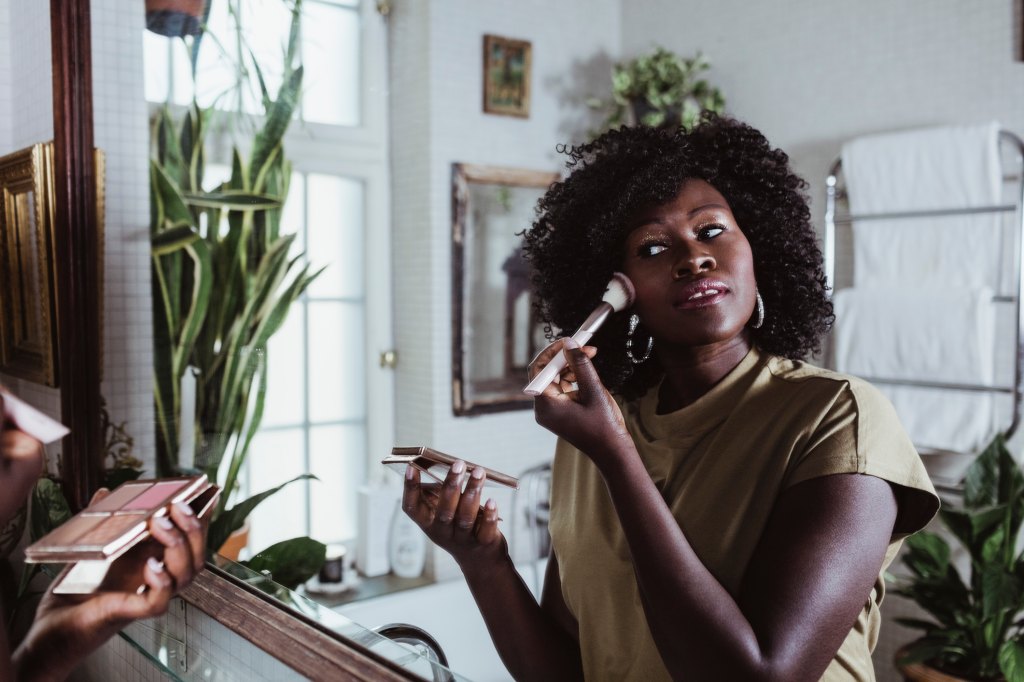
{"x": 577, "y": 240}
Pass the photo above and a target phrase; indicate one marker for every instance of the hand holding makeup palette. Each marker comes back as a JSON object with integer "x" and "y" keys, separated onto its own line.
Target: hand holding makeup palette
{"x": 109, "y": 541}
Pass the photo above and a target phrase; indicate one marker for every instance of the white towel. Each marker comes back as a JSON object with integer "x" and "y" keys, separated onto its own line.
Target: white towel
{"x": 941, "y": 335}
{"x": 922, "y": 170}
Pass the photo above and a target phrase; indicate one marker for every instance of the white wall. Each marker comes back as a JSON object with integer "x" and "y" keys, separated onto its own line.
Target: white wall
{"x": 812, "y": 74}
{"x": 437, "y": 119}
{"x": 5, "y": 74}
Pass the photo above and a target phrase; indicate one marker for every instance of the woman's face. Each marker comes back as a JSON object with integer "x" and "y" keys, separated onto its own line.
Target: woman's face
{"x": 692, "y": 269}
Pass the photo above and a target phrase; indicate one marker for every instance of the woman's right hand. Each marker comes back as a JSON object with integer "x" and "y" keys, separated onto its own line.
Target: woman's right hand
{"x": 452, "y": 517}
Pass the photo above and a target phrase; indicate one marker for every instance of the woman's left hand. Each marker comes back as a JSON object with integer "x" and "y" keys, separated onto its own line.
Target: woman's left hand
{"x": 586, "y": 416}
{"x": 69, "y": 627}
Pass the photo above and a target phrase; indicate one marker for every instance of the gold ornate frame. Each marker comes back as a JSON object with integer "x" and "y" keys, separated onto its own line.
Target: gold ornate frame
{"x": 28, "y": 313}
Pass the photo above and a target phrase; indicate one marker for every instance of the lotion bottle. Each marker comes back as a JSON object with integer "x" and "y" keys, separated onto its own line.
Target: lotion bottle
{"x": 407, "y": 545}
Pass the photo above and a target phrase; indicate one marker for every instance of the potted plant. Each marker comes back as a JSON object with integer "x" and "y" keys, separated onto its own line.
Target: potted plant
{"x": 223, "y": 282}
{"x": 975, "y": 631}
{"x": 660, "y": 89}
{"x": 176, "y": 18}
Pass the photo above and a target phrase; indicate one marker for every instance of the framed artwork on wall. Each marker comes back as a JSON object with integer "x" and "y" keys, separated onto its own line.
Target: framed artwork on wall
{"x": 28, "y": 328}
{"x": 495, "y": 332}
{"x": 506, "y": 76}
{"x": 28, "y": 316}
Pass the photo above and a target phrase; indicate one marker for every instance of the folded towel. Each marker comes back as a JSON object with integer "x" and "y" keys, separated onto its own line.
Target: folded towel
{"x": 941, "y": 335}
{"x": 937, "y": 419}
{"x": 924, "y": 170}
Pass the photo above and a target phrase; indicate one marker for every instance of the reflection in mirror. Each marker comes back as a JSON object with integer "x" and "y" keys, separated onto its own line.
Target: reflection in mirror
{"x": 495, "y": 333}
{"x": 27, "y": 316}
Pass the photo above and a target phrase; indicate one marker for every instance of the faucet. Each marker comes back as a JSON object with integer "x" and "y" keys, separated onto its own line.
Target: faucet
{"x": 404, "y": 633}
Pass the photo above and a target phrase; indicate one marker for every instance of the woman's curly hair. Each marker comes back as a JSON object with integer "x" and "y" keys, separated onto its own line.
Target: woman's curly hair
{"x": 577, "y": 240}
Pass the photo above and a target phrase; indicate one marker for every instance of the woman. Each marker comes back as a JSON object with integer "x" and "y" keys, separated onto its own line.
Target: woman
{"x": 719, "y": 509}
{"x": 66, "y": 629}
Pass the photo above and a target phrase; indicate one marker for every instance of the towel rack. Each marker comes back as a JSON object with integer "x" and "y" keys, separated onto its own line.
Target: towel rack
{"x": 1011, "y": 144}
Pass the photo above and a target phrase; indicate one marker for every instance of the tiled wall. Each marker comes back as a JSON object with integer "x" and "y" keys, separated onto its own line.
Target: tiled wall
{"x": 437, "y": 119}
{"x": 5, "y": 75}
{"x": 121, "y": 130}
{"x": 190, "y": 644}
{"x": 26, "y": 105}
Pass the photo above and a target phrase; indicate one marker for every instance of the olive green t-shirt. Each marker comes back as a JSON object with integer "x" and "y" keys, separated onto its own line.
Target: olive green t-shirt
{"x": 720, "y": 463}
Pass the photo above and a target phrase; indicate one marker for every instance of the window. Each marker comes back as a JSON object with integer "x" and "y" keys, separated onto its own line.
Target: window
{"x": 323, "y": 377}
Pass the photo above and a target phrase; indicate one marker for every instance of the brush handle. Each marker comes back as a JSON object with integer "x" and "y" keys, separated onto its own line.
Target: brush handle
{"x": 557, "y": 364}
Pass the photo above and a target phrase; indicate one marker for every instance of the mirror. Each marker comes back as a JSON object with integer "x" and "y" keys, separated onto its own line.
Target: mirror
{"x": 434, "y": 118}
{"x": 494, "y": 330}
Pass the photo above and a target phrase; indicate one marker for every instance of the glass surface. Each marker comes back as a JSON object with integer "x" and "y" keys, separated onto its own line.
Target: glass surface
{"x": 338, "y": 457}
{"x": 331, "y": 44}
{"x": 337, "y": 347}
{"x": 160, "y": 642}
{"x": 336, "y": 235}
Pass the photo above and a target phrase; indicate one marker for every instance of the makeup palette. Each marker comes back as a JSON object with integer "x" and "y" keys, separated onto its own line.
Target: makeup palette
{"x": 435, "y": 464}
{"x": 100, "y": 534}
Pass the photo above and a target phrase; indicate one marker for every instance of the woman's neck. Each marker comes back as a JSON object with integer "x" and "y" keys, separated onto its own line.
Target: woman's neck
{"x": 692, "y": 372}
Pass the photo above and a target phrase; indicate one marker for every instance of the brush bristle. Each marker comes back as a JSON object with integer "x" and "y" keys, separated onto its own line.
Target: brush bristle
{"x": 620, "y": 292}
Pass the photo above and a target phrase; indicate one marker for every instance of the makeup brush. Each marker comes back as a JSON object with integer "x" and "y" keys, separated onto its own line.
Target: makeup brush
{"x": 618, "y": 296}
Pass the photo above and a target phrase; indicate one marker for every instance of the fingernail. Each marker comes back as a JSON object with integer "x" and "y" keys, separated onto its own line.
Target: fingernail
{"x": 184, "y": 508}
{"x": 571, "y": 342}
{"x": 477, "y": 473}
{"x": 156, "y": 565}
{"x": 459, "y": 466}
{"x": 164, "y": 522}
{"x": 409, "y": 473}
{"x": 491, "y": 505}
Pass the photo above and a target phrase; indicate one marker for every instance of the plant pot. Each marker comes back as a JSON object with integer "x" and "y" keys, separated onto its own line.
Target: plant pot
{"x": 235, "y": 543}
{"x": 922, "y": 672}
{"x": 175, "y": 18}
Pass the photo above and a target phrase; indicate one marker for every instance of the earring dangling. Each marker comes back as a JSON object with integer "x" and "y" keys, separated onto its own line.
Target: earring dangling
{"x": 634, "y": 320}
{"x": 759, "y": 319}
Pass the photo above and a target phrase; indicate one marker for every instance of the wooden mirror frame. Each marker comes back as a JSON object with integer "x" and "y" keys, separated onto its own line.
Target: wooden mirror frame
{"x": 306, "y": 646}
{"x": 463, "y": 174}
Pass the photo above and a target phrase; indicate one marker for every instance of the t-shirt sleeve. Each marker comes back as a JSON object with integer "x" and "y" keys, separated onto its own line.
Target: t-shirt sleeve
{"x": 861, "y": 433}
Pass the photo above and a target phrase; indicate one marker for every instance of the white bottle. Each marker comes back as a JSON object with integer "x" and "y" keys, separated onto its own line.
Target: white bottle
{"x": 407, "y": 545}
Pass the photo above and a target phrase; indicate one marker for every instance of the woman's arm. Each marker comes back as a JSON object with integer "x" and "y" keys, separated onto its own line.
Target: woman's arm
{"x": 532, "y": 644}
{"x": 807, "y": 581}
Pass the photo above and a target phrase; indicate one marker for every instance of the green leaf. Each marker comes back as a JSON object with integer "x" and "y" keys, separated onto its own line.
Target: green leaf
{"x": 290, "y": 562}
{"x": 927, "y": 554}
{"x": 238, "y": 200}
{"x": 174, "y": 239}
{"x": 175, "y": 211}
{"x": 1000, "y": 589}
{"x": 1011, "y": 660}
{"x": 981, "y": 479}
{"x": 232, "y": 519}
{"x": 49, "y": 508}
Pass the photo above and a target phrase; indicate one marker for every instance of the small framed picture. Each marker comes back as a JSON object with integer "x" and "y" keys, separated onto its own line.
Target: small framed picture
{"x": 506, "y": 76}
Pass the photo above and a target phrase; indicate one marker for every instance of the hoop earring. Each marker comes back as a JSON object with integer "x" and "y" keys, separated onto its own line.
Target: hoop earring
{"x": 634, "y": 320}
{"x": 759, "y": 312}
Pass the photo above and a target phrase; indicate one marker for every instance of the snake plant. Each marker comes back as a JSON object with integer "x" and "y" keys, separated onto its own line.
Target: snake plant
{"x": 223, "y": 282}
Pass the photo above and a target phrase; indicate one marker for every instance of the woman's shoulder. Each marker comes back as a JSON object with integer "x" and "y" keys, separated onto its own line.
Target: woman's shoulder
{"x": 799, "y": 375}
